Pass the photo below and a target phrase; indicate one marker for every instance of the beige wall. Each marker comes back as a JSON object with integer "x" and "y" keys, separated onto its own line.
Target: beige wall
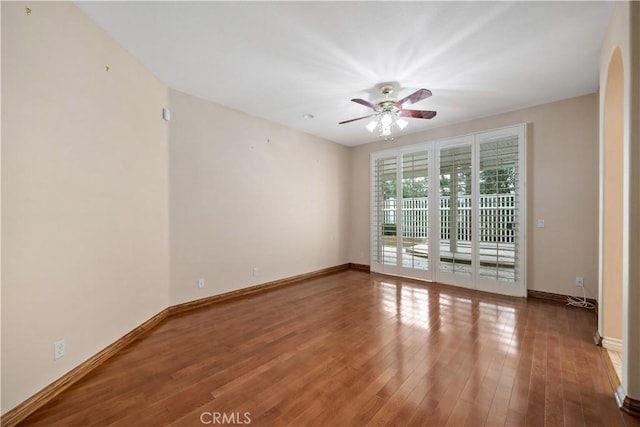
{"x": 632, "y": 367}
{"x": 0, "y": 218}
{"x": 249, "y": 193}
{"x": 84, "y": 194}
{"x": 613, "y": 165}
{"x": 562, "y": 187}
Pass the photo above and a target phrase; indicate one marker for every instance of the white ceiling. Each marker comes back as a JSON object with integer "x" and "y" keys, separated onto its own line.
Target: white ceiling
{"x": 281, "y": 60}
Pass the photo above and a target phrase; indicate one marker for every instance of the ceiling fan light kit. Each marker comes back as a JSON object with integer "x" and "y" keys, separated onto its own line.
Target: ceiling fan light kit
{"x": 388, "y": 113}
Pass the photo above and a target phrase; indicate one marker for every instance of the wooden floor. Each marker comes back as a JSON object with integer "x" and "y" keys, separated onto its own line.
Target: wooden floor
{"x": 354, "y": 349}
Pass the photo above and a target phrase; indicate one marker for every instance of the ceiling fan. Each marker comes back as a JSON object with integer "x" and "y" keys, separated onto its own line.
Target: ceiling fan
{"x": 389, "y": 112}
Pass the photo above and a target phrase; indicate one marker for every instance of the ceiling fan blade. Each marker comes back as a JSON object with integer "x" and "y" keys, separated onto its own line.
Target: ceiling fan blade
{"x": 418, "y": 114}
{"x": 416, "y": 96}
{"x": 365, "y": 103}
{"x": 359, "y": 118}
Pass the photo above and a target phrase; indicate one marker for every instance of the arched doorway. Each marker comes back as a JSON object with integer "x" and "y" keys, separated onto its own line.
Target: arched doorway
{"x": 612, "y": 209}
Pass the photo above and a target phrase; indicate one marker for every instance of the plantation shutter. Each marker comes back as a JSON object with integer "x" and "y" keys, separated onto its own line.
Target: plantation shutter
{"x": 499, "y": 210}
{"x": 415, "y": 210}
{"x": 384, "y": 206}
{"x": 456, "y": 210}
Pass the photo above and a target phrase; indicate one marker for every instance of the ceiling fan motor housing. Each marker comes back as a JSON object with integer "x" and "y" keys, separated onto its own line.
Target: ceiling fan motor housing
{"x": 386, "y": 89}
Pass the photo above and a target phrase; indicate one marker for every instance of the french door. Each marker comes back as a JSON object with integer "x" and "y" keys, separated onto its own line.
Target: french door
{"x": 401, "y": 212}
{"x": 453, "y": 211}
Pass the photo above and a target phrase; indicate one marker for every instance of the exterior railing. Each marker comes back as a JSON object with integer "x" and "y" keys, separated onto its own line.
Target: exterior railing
{"x": 497, "y": 218}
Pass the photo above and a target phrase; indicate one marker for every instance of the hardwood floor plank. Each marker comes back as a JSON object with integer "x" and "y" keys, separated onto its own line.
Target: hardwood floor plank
{"x": 354, "y": 349}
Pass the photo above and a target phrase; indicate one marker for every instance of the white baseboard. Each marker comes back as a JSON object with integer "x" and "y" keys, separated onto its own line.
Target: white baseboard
{"x": 612, "y": 344}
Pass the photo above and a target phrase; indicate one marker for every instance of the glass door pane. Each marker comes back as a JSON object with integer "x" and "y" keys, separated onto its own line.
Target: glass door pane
{"x": 415, "y": 210}
{"x": 501, "y": 215}
{"x": 499, "y": 181}
{"x": 456, "y": 192}
{"x": 385, "y": 212}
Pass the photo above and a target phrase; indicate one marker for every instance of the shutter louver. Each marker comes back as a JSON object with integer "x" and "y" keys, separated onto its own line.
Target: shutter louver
{"x": 415, "y": 210}
{"x": 499, "y": 209}
{"x": 384, "y": 206}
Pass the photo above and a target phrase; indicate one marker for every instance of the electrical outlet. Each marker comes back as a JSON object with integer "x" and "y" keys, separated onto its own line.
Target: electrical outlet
{"x": 58, "y": 349}
{"x": 200, "y": 283}
{"x": 254, "y": 271}
{"x": 579, "y": 281}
